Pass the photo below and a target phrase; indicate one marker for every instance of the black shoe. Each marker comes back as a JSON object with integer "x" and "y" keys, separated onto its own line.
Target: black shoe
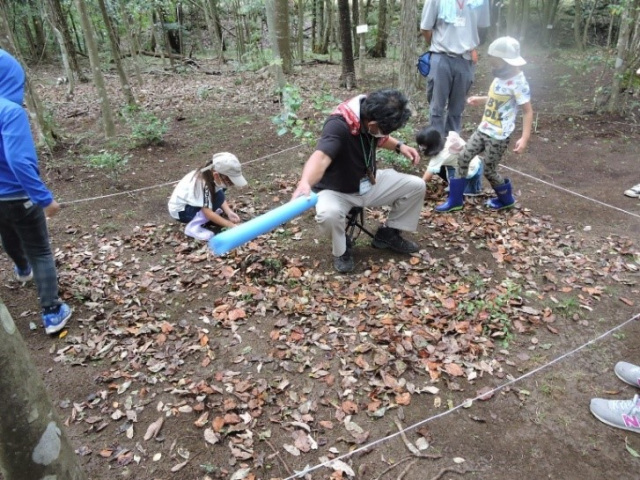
{"x": 344, "y": 263}
{"x": 387, "y": 237}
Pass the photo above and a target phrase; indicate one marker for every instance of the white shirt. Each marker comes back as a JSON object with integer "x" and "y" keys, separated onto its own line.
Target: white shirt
{"x": 189, "y": 191}
{"x": 499, "y": 117}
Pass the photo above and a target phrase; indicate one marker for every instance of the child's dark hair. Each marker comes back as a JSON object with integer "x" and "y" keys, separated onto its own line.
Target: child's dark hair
{"x": 430, "y": 141}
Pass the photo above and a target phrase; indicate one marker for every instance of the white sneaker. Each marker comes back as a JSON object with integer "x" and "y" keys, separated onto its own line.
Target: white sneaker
{"x": 624, "y": 414}
{"x": 628, "y": 373}
{"x": 633, "y": 192}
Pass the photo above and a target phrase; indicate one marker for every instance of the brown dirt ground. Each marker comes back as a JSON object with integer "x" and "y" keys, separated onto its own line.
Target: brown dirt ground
{"x": 537, "y": 427}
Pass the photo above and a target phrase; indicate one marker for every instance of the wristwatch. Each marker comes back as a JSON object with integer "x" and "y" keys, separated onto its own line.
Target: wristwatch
{"x": 399, "y": 146}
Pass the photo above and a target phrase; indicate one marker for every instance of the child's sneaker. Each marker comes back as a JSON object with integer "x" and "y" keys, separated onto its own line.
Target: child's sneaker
{"x": 628, "y": 372}
{"x": 23, "y": 275}
{"x": 624, "y": 414}
{"x": 55, "y": 321}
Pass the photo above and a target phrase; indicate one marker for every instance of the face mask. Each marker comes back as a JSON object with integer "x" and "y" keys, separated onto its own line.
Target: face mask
{"x": 502, "y": 72}
{"x": 377, "y": 135}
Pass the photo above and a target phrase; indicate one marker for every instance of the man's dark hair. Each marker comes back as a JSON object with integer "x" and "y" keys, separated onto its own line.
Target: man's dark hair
{"x": 388, "y": 107}
{"x": 430, "y": 141}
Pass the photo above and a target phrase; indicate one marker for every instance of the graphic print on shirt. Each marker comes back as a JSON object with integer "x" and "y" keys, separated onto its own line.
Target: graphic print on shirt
{"x": 494, "y": 110}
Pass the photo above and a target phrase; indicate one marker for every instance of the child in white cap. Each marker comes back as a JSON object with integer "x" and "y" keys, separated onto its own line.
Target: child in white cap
{"x": 199, "y": 198}
{"x": 508, "y": 93}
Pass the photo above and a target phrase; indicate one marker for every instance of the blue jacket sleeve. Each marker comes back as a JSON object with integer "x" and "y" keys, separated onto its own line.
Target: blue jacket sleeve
{"x": 21, "y": 156}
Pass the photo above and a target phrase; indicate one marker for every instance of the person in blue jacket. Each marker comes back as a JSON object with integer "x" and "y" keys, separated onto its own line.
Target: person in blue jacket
{"x": 25, "y": 202}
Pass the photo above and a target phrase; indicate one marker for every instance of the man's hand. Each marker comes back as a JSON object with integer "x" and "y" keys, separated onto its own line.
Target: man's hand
{"x": 303, "y": 189}
{"x": 411, "y": 153}
{"x": 52, "y": 209}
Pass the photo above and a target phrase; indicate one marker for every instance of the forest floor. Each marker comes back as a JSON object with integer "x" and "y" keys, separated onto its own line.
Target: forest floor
{"x": 181, "y": 364}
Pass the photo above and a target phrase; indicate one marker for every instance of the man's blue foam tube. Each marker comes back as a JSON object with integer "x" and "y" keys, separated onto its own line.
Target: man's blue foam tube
{"x": 234, "y": 237}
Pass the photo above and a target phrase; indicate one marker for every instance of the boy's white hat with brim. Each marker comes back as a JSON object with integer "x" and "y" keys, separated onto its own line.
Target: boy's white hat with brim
{"x": 508, "y": 49}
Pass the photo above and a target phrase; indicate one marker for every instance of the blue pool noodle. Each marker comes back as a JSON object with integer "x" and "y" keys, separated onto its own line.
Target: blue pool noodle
{"x": 234, "y": 237}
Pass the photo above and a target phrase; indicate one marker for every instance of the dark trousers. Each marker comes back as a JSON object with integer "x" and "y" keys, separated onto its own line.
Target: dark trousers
{"x": 23, "y": 229}
{"x": 190, "y": 211}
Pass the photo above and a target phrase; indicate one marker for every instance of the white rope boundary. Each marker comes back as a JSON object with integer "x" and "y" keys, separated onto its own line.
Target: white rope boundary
{"x": 129, "y": 192}
{"x": 465, "y": 403}
{"x": 566, "y": 190}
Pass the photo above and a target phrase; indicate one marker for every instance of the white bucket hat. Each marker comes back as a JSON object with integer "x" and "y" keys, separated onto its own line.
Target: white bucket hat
{"x": 508, "y": 49}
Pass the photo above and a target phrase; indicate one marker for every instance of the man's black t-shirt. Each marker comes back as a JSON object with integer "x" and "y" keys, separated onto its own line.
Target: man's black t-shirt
{"x": 350, "y": 155}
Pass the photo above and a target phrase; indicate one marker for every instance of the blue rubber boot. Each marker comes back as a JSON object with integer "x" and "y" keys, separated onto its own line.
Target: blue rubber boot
{"x": 456, "y": 199}
{"x": 505, "y": 199}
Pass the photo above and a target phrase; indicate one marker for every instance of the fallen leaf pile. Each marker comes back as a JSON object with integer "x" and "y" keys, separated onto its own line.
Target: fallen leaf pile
{"x": 270, "y": 338}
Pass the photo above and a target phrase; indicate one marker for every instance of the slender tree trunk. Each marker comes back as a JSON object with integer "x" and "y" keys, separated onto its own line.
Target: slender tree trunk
{"x": 577, "y": 24}
{"x": 98, "y": 79}
{"x": 165, "y": 41}
{"x": 328, "y": 24}
{"x": 179, "y": 22}
{"x": 134, "y": 48}
{"x": 587, "y": 23}
{"x": 115, "y": 54}
{"x": 282, "y": 34}
{"x": 39, "y": 35}
{"x": 314, "y": 24}
{"x": 59, "y": 22}
{"x": 362, "y": 49}
{"x": 524, "y": 21}
{"x": 301, "y": 30}
{"x": 622, "y": 52}
{"x": 380, "y": 48}
{"x": 408, "y": 76}
{"x": 32, "y": 442}
{"x": 348, "y": 74}
{"x": 355, "y": 21}
{"x": 272, "y": 27}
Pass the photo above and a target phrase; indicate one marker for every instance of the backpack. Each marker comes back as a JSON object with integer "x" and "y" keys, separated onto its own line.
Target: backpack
{"x": 424, "y": 63}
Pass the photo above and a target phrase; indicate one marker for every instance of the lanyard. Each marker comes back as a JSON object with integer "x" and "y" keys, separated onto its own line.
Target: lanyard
{"x": 460, "y": 4}
{"x": 368, "y": 158}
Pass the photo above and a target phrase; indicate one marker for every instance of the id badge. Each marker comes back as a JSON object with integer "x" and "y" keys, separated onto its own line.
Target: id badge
{"x": 460, "y": 22}
{"x": 365, "y": 185}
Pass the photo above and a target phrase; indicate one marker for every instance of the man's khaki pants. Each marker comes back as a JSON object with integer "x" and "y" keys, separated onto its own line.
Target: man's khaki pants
{"x": 402, "y": 192}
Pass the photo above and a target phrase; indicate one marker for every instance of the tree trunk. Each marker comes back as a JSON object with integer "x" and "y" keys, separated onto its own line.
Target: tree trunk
{"x": 348, "y": 74}
{"x": 32, "y": 443}
{"x": 587, "y": 23}
{"x": 115, "y": 54}
{"x": 380, "y": 48}
{"x": 577, "y": 24}
{"x": 355, "y": 21}
{"x": 512, "y": 12}
{"x": 301, "y": 30}
{"x": 39, "y": 35}
{"x": 622, "y": 52}
{"x": 362, "y": 49}
{"x": 328, "y": 24}
{"x": 59, "y": 21}
{"x": 282, "y": 34}
{"x": 314, "y": 24}
{"x": 134, "y": 48}
{"x": 408, "y": 76}
{"x": 271, "y": 25}
{"x": 98, "y": 79}
{"x": 524, "y": 21}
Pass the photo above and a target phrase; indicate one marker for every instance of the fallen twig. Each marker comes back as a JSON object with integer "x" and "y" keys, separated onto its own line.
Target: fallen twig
{"x": 459, "y": 471}
{"x": 412, "y": 448}
{"x": 391, "y": 467}
{"x": 407, "y": 468}
{"x": 277, "y": 453}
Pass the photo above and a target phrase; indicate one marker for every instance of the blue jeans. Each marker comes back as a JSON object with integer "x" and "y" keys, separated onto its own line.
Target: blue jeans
{"x": 190, "y": 211}
{"x": 23, "y": 229}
